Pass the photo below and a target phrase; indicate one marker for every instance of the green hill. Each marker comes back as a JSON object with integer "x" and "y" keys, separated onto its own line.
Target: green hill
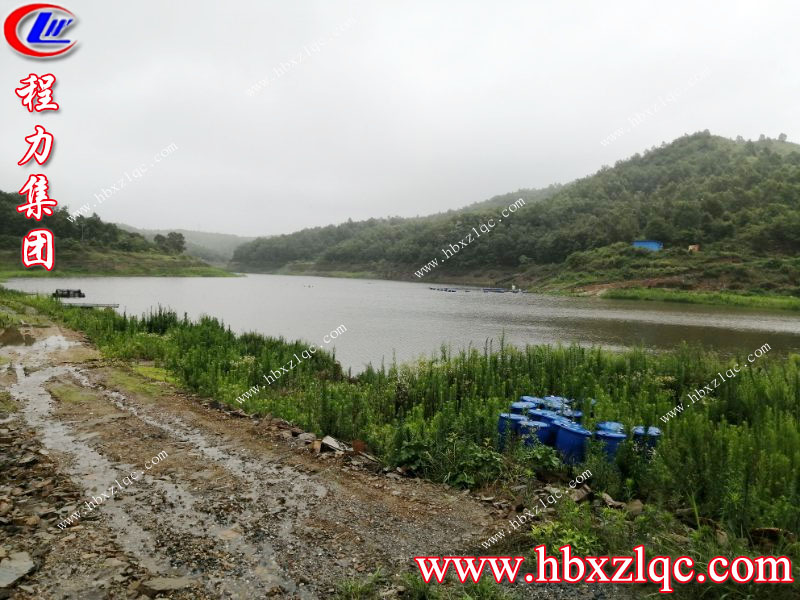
{"x": 87, "y": 245}
{"x": 740, "y": 200}
{"x": 215, "y": 248}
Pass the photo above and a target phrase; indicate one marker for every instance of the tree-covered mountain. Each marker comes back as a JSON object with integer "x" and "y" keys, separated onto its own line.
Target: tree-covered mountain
{"x": 738, "y": 199}
{"x": 390, "y": 241}
{"x": 89, "y": 245}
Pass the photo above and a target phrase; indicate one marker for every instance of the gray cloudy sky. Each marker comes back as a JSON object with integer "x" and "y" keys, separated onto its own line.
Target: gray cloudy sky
{"x": 390, "y": 108}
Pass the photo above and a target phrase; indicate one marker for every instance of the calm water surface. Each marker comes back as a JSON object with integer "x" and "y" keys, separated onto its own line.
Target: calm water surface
{"x": 386, "y": 319}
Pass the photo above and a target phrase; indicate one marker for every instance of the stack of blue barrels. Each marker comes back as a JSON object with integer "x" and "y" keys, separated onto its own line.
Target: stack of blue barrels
{"x": 552, "y": 421}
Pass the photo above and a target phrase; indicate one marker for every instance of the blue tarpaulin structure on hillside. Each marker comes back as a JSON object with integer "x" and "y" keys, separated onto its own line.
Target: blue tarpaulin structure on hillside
{"x": 648, "y": 245}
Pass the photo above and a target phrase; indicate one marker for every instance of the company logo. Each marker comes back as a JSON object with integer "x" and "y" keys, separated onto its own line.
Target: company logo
{"x": 43, "y": 30}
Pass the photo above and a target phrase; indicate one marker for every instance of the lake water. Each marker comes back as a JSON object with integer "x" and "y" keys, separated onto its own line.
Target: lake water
{"x": 386, "y": 319}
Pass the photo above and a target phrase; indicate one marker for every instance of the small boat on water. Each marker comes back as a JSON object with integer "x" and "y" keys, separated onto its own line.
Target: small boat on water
{"x": 443, "y": 289}
{"x": 495, "y": 290}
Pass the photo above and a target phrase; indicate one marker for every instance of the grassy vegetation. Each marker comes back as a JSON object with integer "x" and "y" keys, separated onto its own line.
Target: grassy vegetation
{"x": 718, "y": 298}
{"x": 155, "y": 373}
{"x": 7, "y": 405}
{"x": 737, "y": 272}
{"x": 733, "y": 463}
{"x": 9, "y": 318}
{"x": 136, "y": 385}
{"x": 70, "y": 393}
{"x": 96, "y": 262}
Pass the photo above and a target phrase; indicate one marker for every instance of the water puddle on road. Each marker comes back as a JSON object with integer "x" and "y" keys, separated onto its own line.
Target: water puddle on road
{"x": 92, "y": 471}
{"x": 155, "y": 500}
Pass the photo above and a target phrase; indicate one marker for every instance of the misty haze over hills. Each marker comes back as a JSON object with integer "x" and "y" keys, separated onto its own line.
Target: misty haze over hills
{"x": 215, "y": 248}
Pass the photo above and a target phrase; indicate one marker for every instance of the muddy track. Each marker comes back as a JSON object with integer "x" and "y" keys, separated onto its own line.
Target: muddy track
{"x": 229, "y": 512}
{"x": 193, "y": 502}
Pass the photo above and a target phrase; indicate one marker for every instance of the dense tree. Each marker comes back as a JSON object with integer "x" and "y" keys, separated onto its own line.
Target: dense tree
{"x": 173, "y": 243}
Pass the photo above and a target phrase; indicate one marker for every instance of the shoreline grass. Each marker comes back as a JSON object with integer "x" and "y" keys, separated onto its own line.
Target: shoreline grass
{"x": 92, "y": 261}
{"x": 186, "y": 271}
{"x": 709, "y": 298}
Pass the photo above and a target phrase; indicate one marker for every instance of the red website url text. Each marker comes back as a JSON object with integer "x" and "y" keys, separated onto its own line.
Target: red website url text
{"x": 604, "y": 569}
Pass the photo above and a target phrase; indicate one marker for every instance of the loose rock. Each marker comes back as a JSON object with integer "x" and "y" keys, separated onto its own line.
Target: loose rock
{"x": 15, "y": 568}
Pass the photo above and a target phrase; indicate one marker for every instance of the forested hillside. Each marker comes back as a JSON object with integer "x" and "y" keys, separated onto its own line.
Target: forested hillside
{"x": 389, "y": 241}
{"x": 69, "y": 234}
{"x": 740, "y": 200}
{"x": 88, "y": 245}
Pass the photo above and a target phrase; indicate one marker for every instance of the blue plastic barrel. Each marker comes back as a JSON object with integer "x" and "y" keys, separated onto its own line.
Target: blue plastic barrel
{"x": 537, "y": 429}
{"x": 542, "y": 414}
{"x": 554, "y": 402}
{"x": 530, "y": 399}
{"x": 547, "y": 417}
{"x": 571, "y": 440}
{"x": 522, "y": 408}
{"x": 509, "y": 422}
{"x": 612, "y": 441}
{"x": 561, "y": 398}
{"x": 573, "y": 415}
{"x": 537, "y": 401}
{"x": 651, "y": 437}
{"x": 614, "y": 426}
{"x": 554, "y": 425}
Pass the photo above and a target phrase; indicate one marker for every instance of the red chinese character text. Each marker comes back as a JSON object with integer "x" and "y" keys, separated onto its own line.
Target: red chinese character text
{"x": 38, "y": 201}
{"x": 37, "y": 249}
{"x": 39, "y": 89}
{"x": 41, "y": 139}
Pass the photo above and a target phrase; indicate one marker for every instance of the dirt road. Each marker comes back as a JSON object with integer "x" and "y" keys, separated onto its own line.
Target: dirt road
{"x": 114, "y": 485}
{"x": 231, "y": 500}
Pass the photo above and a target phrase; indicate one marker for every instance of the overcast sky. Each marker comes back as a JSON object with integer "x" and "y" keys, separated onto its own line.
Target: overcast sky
{"x": 383, "y": 108}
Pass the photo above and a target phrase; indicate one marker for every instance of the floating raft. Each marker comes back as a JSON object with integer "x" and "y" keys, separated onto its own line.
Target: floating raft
{"x": 92, "y": 305}
{"x": 68, "y": 294}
